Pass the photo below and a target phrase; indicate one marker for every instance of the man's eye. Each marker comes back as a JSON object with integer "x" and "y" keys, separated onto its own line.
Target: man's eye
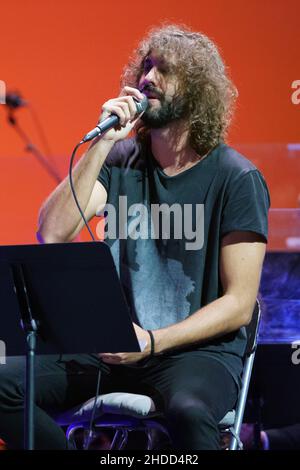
{"x": 147, "y": 65}
{"x": 163, "y": 68}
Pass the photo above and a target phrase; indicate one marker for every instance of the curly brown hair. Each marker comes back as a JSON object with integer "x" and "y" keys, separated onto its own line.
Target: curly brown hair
{"x": 204, "y": 84}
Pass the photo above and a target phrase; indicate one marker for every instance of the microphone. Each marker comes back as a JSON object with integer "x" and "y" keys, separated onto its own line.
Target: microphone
{"x": 113, "y": 120}
{"x": 13, "y": 100}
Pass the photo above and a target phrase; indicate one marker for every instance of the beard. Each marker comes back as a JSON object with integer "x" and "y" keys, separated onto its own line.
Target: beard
{"x": 169, "y": 110}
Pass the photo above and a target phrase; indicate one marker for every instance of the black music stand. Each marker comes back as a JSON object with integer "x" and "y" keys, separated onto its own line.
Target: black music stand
{"x": 67, "y": 299}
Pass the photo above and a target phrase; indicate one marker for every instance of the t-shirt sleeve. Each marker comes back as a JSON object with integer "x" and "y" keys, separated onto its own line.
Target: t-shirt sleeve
{"x": 104, "y": 176}
{"x": 105, "y": 172}
{"x": 119, "y": 156}
{"x": 246, "y": 205}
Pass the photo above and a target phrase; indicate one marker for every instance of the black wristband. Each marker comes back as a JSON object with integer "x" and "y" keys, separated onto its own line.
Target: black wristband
{"x": 152, "y": 342}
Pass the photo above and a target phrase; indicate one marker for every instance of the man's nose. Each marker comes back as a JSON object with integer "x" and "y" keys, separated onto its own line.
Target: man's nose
{"x": 151, "y": 76}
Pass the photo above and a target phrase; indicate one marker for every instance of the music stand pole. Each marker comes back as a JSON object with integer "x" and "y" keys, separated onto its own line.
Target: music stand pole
{"x": 30, "y": 392}
{"x": 29, "y": 326}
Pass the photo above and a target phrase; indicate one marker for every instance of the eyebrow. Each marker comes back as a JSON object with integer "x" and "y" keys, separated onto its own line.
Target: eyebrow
{"x": 160, "y": 61}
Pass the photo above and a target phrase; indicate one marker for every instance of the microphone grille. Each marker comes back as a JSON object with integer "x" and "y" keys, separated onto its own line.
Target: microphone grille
{"x": 142, "y": 105}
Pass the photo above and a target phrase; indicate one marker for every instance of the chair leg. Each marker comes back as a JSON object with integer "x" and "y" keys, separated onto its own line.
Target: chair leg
{"x": 235, "y": 441}
{"x": 88, "y": 437}
{"x": 119, "y": 440}
{"x": 124, "y": 440}
{"x": 156, "y": 437}
{"x": 70, "y": 435}
{"x": 149, "y": 439}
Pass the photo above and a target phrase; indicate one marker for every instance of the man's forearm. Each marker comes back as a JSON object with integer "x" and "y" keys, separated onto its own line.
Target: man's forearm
{"x": 59, "y": 215}
{"x": 216, "y": 319}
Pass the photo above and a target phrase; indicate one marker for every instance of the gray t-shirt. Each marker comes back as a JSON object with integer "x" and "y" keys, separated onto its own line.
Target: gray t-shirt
{"x": 168, "y": 276}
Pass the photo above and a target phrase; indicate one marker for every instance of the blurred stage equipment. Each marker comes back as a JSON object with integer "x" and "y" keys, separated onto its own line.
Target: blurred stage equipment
{"x": 13, "y": 101}
{"x": 275, "y": 386}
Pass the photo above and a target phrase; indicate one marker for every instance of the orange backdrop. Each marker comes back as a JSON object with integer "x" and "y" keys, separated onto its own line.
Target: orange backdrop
{"x": 66, "y": 57}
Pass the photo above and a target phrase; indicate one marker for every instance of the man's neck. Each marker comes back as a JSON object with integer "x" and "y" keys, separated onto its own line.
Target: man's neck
{"x": 171, "y": 150}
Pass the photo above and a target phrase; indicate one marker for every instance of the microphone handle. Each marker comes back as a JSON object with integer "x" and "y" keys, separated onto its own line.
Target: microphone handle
{"x": 101, "y": 127}
{"x": 113, "y": 120}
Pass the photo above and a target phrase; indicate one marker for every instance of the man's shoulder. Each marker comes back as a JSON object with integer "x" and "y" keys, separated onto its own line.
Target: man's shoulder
{"x": 232, "y": 163}
{"x": 237, "y": 171}
{"x": 124, "y": 153}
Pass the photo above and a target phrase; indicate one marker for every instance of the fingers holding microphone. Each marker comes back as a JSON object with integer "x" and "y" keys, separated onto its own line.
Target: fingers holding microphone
{"x": 128, "y": 107}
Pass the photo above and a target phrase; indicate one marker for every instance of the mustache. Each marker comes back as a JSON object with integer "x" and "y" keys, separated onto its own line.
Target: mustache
{"x": 151, "y": 89}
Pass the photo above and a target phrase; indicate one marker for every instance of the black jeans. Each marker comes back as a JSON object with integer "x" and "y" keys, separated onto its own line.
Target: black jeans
{"x": 193, "y": 390}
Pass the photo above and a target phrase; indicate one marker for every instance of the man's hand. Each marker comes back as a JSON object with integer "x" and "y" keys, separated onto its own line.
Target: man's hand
{"x": 125, "y": 108}
{"x": 130, "y": 358}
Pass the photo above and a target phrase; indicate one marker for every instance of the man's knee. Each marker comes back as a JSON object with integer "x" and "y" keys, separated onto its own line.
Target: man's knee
{"x": 187, "y": 410}
{"x": 11, "y": 385}
{"x": 191, "y": 423}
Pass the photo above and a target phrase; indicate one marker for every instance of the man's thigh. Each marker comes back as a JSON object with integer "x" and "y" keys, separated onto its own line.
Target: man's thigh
{"x": 64, "y": 381}
{"x": 61, "y": 381}
{"x": 192, "y": 374}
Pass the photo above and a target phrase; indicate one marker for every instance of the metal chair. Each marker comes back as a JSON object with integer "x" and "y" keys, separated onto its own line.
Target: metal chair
{"x": 233, "y": 420}
{"x": 126, "y": 412}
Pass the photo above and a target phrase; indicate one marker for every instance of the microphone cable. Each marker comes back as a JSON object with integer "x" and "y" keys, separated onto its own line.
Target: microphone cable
{"x": 74, "y": 193}
{"x": 92, "y": 418}
{"x": 140, "y": 108}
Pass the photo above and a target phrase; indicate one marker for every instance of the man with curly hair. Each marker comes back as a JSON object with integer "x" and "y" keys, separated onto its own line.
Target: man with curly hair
{"x": 195, "y": 300}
